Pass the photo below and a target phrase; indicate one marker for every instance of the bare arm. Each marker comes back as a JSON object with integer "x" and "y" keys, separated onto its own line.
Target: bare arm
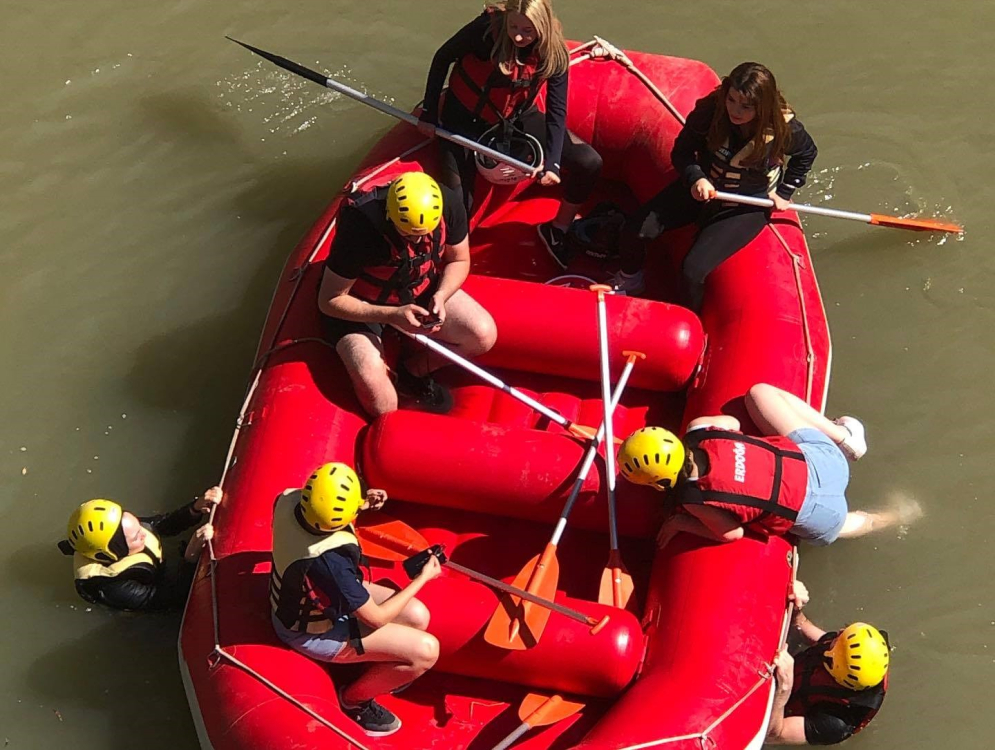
{"x": 784, "y": 730}
{"x": 722, "y": 421}
{"x": 689, "y": 524}
{"x": 456, "y": 269}
{"x": 377, "y": 615}
{"x": 722, "y": 526}
{"x": 334, "y": 300}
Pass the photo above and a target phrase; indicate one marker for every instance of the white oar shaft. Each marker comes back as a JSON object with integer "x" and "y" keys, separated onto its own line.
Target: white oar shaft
{"x": 592, "y": 452}
{"x": 409, "y": 118}
{"x": 607, "y": 400}
{"x": 466, "y": 364}
{"x": 834, "y": 213}
{"x": 513, "y": 737}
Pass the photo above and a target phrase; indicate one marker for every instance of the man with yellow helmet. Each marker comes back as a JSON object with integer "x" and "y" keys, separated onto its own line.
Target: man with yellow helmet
{"x": 322, "y": 607}
{"x": 832, "y": 689}
{"x": 790, "y": 481}
{"x": 400, "y": 254}
{"x": 118, "y": 557}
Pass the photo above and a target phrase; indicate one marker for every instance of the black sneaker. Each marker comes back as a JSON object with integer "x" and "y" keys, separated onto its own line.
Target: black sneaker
{"x": 374, "y": 719}
{"x": 425, "y": 392}
{"x": 553, "y": 238}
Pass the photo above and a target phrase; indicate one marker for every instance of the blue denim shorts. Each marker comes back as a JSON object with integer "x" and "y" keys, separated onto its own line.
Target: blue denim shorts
{"x": 823, "y": 512}
{"x": 323, "y": 647}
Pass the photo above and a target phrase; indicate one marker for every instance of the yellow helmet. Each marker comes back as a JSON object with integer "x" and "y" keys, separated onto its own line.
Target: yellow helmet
{"x": 94, "y": 531}
{"x": 414, "y": 203}
{"x": 653, "y": 456}
{"x": 331, "y": 498}
{"x": 859, "y": 657}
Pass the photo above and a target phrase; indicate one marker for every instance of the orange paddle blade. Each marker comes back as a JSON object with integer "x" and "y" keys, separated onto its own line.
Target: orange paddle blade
{"x": 616, "y": 583}
{"x": 518, "y": 625}
{"x": 916, "y": 225}
{"x": 390, "y": 539}
{"x": 539, "y": 710}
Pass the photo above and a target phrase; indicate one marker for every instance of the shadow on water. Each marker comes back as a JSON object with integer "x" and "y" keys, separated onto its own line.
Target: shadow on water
{"x": 203, "y": 370}
{"x": 124, "y": 667}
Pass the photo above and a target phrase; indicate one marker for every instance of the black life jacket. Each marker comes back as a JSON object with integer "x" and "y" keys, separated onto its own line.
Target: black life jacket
{"x": 814, "y": 685}
{"x": 729, "y": 174}
{"x": 761, "y": 481}
{"x": 415, "y": 263}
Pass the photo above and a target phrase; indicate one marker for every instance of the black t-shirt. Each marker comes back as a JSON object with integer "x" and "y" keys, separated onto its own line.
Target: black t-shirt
{"x": 358, "y": 244}
{"x": 335, "y": 578}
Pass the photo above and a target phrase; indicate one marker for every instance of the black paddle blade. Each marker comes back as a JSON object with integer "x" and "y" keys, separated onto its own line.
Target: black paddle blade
{"x": 284, "y": 63}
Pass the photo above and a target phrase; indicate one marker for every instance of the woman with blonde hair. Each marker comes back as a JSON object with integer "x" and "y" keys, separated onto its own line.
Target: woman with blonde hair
{"x": 741, "y": 138}
{"x": 503, "y": 62}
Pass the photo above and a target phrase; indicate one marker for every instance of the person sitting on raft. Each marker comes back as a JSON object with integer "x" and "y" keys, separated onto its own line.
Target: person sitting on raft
{"x": 737, "y": 140}
{"x": 400, "y": 255}
{"x": 322, "y": 607}
{"x": 118, "y": 558}
{"x": 504, "y": 60}
{"x": 725, "y": 482}
{"x": 833, "y": 688}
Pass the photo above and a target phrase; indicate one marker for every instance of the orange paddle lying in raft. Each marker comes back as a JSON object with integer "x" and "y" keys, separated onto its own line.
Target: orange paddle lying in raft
{"x": 395, "y": 540}
{"x": 539, "y": 711}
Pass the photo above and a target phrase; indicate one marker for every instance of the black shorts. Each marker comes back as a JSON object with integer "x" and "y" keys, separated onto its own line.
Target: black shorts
{"x": 335, "y": 328}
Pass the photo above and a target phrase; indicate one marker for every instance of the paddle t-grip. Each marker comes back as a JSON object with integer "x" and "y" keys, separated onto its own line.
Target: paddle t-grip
{"x": 414, "y": 564}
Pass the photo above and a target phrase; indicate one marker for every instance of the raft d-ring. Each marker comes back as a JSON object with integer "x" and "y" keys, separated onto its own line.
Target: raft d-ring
{"x": 214, "y": 659}
{"x": 791, "y": 556}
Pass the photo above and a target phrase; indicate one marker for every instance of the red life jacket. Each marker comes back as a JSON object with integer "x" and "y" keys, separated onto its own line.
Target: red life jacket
{"x": 415, "y": 262}
{"x": 761, "y": 481}
{"x": 486, "y": 92}
{"x": 814, "y": 685}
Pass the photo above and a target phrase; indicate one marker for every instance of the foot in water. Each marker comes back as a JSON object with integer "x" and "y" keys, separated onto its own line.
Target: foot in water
{"x": 423, "y": 393}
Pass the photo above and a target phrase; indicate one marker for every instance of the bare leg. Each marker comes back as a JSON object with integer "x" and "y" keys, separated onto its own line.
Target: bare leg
{"x": 362, "y": 355}
{"x": 403, "y": 654}
{"x": 777, "y": 412}
{"x": 415, "y": 614}
{"x": 902, "y": 511}
{"x": 469, "y": 330}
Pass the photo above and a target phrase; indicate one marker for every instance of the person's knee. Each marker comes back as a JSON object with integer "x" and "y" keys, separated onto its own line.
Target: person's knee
{"x": 418, "y": 614}
{"x": 425, "y": 653}
{"x": 759, "y": 393}
{"x": 485, "y": 331}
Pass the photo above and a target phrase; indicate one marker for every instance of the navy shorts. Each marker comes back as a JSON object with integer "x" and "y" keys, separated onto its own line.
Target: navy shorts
{"x": 824, "y": 510}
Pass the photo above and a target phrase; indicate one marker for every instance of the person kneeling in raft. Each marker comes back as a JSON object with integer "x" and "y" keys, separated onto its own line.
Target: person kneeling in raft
{"x": 833, "y": 688}
{"x": 323, "y": 608}
{"x": 725, "y": 480}
{"x": 118, "y": 557}
{"x": 399, "y": 257}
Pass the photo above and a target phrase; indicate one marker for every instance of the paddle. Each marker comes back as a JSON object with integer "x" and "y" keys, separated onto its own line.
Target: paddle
{"x": 616, "y": 583}
{"x": 538, "y": 711}
{"x": 359, "y": 96}
{"x": 542, "y": 573}
{"x": 895, "y": 222}
{"x": 396, "y": 541}
{"x": 578, "y": 431}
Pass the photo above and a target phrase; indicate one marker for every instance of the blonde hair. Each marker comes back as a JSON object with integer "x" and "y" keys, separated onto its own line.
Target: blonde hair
{"x": 550, "y": 45}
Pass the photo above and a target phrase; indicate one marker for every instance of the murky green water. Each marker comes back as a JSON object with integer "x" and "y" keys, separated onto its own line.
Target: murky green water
{"x": 153, "y": 177}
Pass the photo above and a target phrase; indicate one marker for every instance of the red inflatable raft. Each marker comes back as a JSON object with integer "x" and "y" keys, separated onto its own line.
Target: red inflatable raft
{"x": 688, "y": 666}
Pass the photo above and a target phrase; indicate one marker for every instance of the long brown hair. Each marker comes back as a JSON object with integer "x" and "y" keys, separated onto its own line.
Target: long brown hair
{"x": 771, "y": 137}
{"x": 550, "y": 46}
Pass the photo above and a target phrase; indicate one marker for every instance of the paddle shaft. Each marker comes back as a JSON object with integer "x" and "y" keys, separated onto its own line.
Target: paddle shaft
{"x": 507, "y": 588}
{"x": 592, "y": 452}
{"x": 606, "y": 399}
{"x": 919, "y": 225}
{"x": 380, "y": 106}
{"x": 466, "y": 364}
{"x": 512, "y": 738}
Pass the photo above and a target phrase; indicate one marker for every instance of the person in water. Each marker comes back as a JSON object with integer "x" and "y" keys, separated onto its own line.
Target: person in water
{"x": 742, "y": 138}
{"x": 400, "y": 254}
{"x": 118, "y": 558}
{"x": 725, "y": 483}
{"x": 832, "y": 689}
{"x": 503, "y": 62}
{"x": 322, "y": 607}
